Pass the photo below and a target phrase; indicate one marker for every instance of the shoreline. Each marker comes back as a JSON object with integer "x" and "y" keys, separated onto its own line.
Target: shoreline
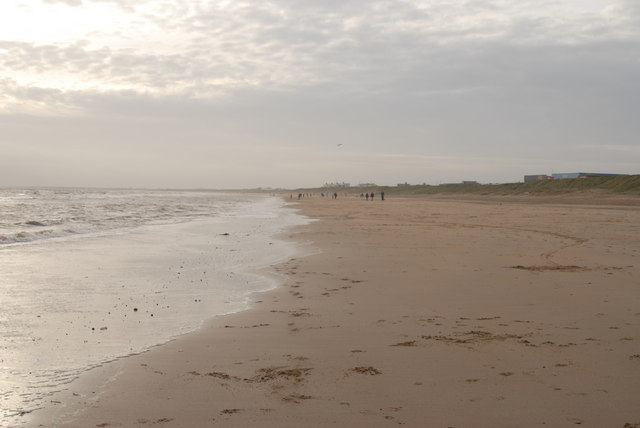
{"x": 124, "y": 292}
{"x": 415, "y": 312}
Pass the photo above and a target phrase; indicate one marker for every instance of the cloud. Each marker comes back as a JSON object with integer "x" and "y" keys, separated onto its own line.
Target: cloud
{"x": 473, "y": 84}
{"x": 67, "y": 2}
{"x": 202, "y": 49}
{"x": 124, "y": 4}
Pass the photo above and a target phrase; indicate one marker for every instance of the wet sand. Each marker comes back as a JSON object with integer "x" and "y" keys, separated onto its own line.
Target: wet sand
{"x": 415, "y": 312}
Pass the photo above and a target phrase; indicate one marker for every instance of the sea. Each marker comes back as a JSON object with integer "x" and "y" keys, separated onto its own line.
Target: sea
{"x": 88, "y": 276}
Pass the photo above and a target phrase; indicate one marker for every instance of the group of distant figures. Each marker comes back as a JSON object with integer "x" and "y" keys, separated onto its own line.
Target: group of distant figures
{"x": 371, "y": 196}
{"x": 334, "y": 195}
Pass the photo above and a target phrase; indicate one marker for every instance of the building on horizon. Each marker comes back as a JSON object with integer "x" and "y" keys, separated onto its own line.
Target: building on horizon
{"x": 567, "y": 175}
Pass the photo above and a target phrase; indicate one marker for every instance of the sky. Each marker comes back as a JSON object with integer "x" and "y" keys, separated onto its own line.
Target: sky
{"x": 295, "y": 93}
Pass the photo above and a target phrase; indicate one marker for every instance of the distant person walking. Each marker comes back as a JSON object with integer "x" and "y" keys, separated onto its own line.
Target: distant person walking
{"x": 372, "y": 195}
{"x": 382, "y": 195}
{"x": 366, "y": 195}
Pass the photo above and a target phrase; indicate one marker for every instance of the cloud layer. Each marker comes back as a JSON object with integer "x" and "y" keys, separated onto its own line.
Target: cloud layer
{"x": 415, "y": 90}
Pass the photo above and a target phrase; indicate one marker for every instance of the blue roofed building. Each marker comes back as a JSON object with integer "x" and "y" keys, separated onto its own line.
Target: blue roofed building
{"x": 566, "y": 175}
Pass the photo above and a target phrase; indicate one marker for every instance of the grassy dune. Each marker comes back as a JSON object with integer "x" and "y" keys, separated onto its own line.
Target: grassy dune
{"x": 626, "y": 184}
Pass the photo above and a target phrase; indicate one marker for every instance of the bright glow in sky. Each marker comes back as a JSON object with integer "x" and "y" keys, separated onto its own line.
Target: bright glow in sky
{"x": 194, "y": 93}
{"x": 37, "y": 22}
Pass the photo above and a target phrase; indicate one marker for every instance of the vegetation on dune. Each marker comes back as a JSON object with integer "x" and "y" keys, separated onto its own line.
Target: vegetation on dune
{"x": 624, "y": 184}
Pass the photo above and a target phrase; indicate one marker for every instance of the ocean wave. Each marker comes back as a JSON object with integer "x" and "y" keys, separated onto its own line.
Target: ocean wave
{"x": 31, "y": 215}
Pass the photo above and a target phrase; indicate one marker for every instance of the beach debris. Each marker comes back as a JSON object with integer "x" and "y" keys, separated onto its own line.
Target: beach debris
{"x": 219, "y": 375}
{"x": 372, "y": 371}
{"x": 557, "y": 268}
{"x": 272, "y": 373}
{"x": 299, "y": 313}
{"x": 135, "y": 309}
{"x": 296, "y": 398}
{"x": 224, "y": 234}
{"x": 477, "y": 336}
{"x": 264, "y": 375}
{"x": 408, "y": 343}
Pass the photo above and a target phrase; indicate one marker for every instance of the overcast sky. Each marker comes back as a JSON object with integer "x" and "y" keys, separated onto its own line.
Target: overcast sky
{"x": 290, "y": 93}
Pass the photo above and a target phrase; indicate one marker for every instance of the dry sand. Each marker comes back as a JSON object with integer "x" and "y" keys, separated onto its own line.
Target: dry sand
{"x": 415, "y": 312}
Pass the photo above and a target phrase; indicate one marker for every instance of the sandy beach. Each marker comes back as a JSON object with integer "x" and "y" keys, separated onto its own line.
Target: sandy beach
{"x": 411, "y": 312}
